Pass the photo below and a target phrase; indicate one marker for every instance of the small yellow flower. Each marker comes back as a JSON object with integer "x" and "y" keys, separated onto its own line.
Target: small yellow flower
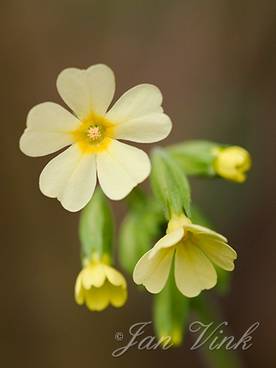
{"x": 232, "y": 163}
{"x": 195, "y": 248}
{"x": 99, "y": 285}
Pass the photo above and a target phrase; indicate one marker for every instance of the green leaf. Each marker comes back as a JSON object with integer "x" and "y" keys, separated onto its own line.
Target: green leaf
{"x": 195, "y": 157}
{"x": 96, "y": 227}
{"x": 137, "y": 199}
{"x": 170, "y": 312}
{"x": 169, "y": 184}
{"x": 139, "y": 231}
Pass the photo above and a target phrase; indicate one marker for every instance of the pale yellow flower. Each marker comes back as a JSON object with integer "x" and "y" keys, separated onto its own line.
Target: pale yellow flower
{"x": 194, "y": 249}
{"x": 93, "y": 134}
{"x": 232, "y": 163}
{"x": 99, "y": 285}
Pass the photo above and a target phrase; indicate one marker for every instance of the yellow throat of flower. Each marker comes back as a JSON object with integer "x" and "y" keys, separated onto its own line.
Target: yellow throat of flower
{"x": 177, "y": 221}
{"x": 94, "y": 134}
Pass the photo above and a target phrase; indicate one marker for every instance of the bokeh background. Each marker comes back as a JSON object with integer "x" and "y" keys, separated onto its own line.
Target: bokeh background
{"x": 215, "y": 62}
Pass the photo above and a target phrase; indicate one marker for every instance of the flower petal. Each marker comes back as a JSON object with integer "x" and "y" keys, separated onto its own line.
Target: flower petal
{"x": 153, "y": 272}
{"x": 79, "y": 292}
{"x": 168, "y": 240}
{"x": 48, "y": 129}
{"x": 204, "y": 231}
{"x": 193, "y": 271}
{"x": 114, "y": 277}
{"x": 93, "y": 275}
{"x": 97, "y": 299}
{"x": 117, "y": 295}
{"x": 218, "y": 252}
{"x": 120, "y": 168}
{"x": 87, "y": 91}
{"x": 137, "y": 102}
{"x": 146, "y": 129}
{"x": 143, "y": 268}
{"x": 70, "y": 177}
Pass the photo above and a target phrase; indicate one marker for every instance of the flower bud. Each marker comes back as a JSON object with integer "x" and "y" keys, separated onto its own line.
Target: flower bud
{"x": 232, "y": 163}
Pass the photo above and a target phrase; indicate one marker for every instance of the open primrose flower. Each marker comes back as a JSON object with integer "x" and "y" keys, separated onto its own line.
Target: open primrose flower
{"x": 194, "y": 249}
{"x": 99, "y": 285}
{"x": 92, "y": 133}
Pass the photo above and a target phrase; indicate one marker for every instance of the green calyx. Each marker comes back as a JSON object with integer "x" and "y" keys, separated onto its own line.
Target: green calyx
{"x": 96, "y": 229}
{"x": 169, "y": 184}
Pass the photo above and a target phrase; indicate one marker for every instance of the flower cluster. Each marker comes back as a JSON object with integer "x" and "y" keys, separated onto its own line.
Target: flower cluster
{"x": 190, "y": 257}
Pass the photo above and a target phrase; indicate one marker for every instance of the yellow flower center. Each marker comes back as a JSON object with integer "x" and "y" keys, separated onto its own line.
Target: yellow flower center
{"x": 94, "y": 134}
{"x": 177, "y": 221}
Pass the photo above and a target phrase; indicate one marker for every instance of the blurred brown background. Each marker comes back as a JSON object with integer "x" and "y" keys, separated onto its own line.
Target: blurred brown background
{"x": 215, "y": 62}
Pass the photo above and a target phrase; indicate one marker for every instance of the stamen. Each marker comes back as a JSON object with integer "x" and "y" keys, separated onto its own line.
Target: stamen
{"x": 94, "y": 132}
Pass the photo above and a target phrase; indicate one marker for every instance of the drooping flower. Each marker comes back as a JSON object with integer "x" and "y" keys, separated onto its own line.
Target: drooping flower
{"x": 194, "y": 249}
{"x": 99, "y": 285}
{"x": 232, "y": 163}
{"x": 92, "y": 133}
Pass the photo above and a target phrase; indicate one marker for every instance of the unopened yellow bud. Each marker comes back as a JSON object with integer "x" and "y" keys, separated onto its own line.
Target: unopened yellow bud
{"x": 232, "y": 163}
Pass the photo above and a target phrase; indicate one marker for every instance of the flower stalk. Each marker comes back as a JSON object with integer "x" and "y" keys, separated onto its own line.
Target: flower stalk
{"x": 98, "y": 283}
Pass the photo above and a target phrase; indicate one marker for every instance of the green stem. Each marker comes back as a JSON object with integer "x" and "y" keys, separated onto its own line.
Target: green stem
{"x": 207, "y": 311}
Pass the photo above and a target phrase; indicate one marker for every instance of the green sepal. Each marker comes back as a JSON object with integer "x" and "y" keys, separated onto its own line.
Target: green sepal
{"x": 169, "y": 184}
{"x": 96, "y": 228}
{"x": 170, "y": 312}
{"x": 140, "y": 229}
{"x": 196, "y": 157}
